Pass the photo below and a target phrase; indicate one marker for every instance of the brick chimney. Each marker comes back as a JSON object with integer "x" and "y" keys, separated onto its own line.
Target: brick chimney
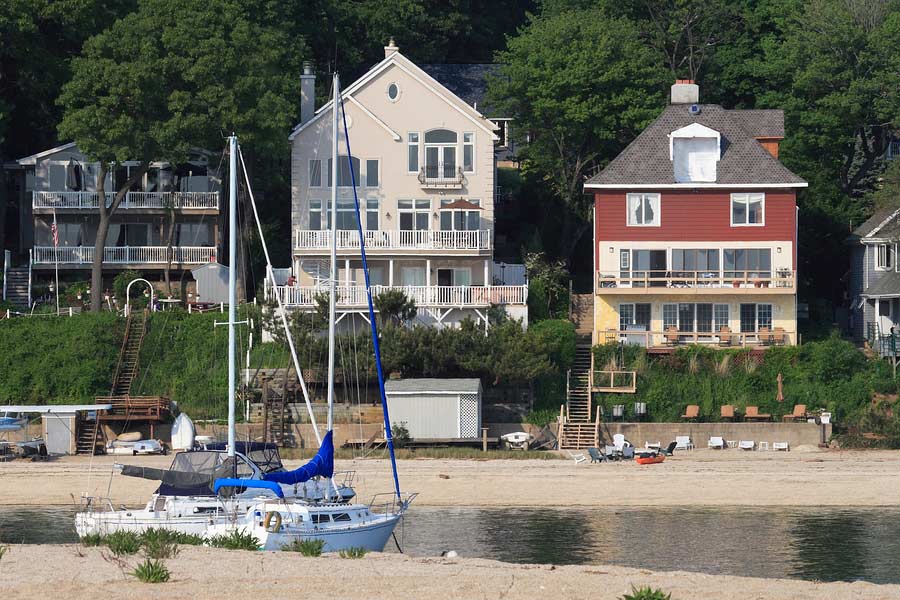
{"x": 391, "y": 48}
{"x": 685, "y": 91}
{"x": 307, "y": 93}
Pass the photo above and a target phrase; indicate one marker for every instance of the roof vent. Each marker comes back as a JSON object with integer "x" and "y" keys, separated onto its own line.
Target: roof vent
{"x": 694, "y": 109}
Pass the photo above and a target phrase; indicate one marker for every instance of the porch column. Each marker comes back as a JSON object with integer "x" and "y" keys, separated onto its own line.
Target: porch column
{"x": 347, "y": 271}
{"x": 391, "y": 273}
{"x": 427, "y": 273}
{"x": 878, "y": 316}
{"x": 487, "y": 272}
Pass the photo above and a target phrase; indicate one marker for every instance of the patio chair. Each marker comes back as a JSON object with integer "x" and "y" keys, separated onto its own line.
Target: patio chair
{"x": 799, "y": 414}
{"x": 628, "y": 452}
{"x": 781, "y": 446}
{"x": 725, "y": 336}
{"x": 765, "y": 336}
{"x": 727, "y": 412}
{"x": 778, "y": 336}
{"x": 670, "y": 449}
{"x": 716, "y": 443}
{"x": 578, "y": 457}
{"x": 596, "y": 457}
{"x": 747, "y": 445}
{"x": 691, "y": 412}
{"x": 619, "y": 442}
{"x": 683, "y": 442}
{"x": 671, "y": 335}
{"x": 752, "y": 414}
{"x": 611, "y": 453}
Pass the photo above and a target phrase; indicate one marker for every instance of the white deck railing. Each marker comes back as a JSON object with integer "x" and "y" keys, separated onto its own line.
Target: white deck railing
{"x": 305, "y": 239}
{"x": 435, "y": 295}
{"x": 133, "y": 200}
{"x": 127, "y": 255}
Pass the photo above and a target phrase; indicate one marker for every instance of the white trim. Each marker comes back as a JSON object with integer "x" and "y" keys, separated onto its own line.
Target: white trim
{"x": 418, "y": 145}
{"x": 882, "y": 224}
{"x": 658, "y": 222}
{"x": 370, "y": 114}
{"x": 890, "y": 257}
{"x": 387, "y": 91}
{"x": 695, "y": 130}
{"x": 33, "y": 158}
{"x": 474, "y": 153}
{"x": 762, "y": 223}
{"x": 691, "y": 186}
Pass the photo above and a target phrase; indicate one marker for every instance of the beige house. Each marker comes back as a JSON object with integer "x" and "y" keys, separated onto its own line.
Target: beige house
{"x": 424, "y": 165}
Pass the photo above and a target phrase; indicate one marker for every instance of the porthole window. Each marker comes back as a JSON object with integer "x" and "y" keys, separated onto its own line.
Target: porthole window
{"x": 393, "y": 92}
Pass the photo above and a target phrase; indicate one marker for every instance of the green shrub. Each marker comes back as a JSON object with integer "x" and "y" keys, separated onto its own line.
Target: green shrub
{"x": 3, "y": 551}
{"x": 161, "y": 543}
{"x": 353, "y": 552}
{"x": 400, "y": 434}
{"x": 151, "y": 571}
{"x": 646, "y": 593}
{"x": 305, "y": 547}
{"x": 123, "y": 542}
{"x": 92, "y": 539}
{"x": 236, "y": 540}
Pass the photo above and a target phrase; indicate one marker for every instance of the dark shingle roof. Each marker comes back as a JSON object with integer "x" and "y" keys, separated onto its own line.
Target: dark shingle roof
{"x": 468, "y": 82}
{"x": 887, "y": 285}
{"x": 869, "y": 226}
{"x": 744, "y": 160}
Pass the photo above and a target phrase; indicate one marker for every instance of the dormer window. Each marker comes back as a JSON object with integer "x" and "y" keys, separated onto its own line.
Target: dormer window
{"x": 694, "y": 151}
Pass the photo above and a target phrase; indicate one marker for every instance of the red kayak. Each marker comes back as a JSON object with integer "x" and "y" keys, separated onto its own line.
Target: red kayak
{"x": 649, "y": 459}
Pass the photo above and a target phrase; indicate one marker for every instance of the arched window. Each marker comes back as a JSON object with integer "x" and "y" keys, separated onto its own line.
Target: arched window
{"x": 440, "y": 154}
{"x": 440, "y": 136}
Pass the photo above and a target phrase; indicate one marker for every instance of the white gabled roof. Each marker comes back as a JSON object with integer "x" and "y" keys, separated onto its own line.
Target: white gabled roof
{"x": 30, "y": 160}
{"x": 426, "y": 385}
{"x": 411, "y": 69}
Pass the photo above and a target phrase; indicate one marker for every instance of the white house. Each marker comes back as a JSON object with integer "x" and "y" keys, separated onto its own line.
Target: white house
{"x": 425, "y": 170}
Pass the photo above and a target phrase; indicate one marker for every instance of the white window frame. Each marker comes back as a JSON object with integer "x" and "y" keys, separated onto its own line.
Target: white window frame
{"x": 416, "y": 208}
{"x": 310, "y": 174}
{"x": 471, "y": 136}
{"x": 884, "y": 257}
{"x": 745, "y": 198}
{"x": 656, "y": 204}
{"x": 377, "y": 172}
{"x": 418, "y": 147}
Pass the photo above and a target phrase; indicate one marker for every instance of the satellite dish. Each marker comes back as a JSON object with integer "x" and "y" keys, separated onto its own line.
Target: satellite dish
{"x": 694, "y": 109}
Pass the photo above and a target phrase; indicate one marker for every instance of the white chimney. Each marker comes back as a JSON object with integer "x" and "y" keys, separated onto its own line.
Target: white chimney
{"x": 390, "y": 48}
{"x": 307, "y": 93}
{"x": 685, "y": 91}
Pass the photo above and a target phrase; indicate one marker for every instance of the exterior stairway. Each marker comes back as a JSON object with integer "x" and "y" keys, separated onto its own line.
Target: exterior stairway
{"x": 277, "y": 414}
{"x": 90, "y": 438}
{"x": 577, "y": 429}
{"x": 126, "y": 370}
{"x": 582, "y": 313}
{"x": 17, "y": 286}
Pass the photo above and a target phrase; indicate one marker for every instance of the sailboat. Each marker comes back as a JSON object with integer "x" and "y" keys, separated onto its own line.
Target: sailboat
{"x": 188, "y": 500}
{"x": 279, "y": 522}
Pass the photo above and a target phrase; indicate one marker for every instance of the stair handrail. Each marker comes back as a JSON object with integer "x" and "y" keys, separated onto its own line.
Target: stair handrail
{"x": 30, "y": 262}
{"x": 6, "y": 259}
{"x": 112, "y": 389}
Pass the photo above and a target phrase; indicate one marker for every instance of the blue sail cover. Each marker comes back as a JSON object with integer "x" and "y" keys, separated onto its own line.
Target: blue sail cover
{"x": 322, "y": 464}
{"x": 248, "y": 483}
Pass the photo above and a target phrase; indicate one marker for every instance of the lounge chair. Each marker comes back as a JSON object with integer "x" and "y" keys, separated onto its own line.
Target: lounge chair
{"x": 628, "y": 452}
{"x": 671, "y": 336}
{"x": 683, "y": 442}
{"x": 752, "y": 414}
{"x": 747, "y": 445}
{"x": 799, "y": 414}
{"x": 611, "y": 453}
{"x": 670, "y": 449}
{"x": 725, "y": 336}
{"x": 596, "y": 457}
{"x": 716, "y": 443}
{"x": 765, "y": 336}
{"x": 781, "y": 446}
{"x": 691, "y": 412}
{"x": 620, "y": 442}
{"x": 578, "y": 457}
{"x": 779, "y": 336}
{"x": 727, "y": 412}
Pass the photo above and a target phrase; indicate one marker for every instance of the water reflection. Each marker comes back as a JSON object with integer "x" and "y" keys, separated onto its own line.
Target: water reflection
{"x": 807, "y": 543}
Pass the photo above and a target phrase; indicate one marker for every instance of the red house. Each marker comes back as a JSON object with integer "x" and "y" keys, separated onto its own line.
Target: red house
{"x": 695, "y": 237}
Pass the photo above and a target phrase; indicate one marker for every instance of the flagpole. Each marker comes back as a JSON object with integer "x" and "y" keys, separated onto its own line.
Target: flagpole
{"x": 56, "y": 255}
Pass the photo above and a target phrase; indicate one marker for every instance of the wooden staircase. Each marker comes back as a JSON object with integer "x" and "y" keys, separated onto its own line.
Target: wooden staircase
{"x": 277, "y": 419}
{"x": 581, "y": 312}
{"x": 89, "y": 438}
{"x": 129, "y": 356}
{"x": 576, "y": 428}
{"x": 17, "y": 286}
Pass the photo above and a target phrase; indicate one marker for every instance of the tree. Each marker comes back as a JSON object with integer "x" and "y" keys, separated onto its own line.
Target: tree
{"x": 395, "y": 307}
{"x": 174, "y": 75}
{"x": 547, "y": 281}
{"x": 583, "y": 85}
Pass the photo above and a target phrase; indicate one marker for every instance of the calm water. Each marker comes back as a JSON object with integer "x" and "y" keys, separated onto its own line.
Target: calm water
{"x": 813, "y": 543}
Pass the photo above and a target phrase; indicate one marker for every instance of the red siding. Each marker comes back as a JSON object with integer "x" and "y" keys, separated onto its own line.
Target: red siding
{"x": 701, "y": 215}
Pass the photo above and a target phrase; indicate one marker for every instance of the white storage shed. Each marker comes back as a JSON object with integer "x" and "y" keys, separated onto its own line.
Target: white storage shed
{"x": 436, "y": 408}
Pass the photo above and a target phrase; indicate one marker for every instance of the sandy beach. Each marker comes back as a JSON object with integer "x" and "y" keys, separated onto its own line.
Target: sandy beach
{"x": 206, "y": 573}
{"x": 802, "y": 477}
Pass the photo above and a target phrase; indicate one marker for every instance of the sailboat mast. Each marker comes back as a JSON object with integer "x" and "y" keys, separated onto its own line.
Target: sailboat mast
{"x": 232, "y": 283}
{"x": 332, "y": 281}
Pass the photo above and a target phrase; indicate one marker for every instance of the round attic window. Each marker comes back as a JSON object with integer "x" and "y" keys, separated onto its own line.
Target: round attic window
{"x": 393, "y": 92}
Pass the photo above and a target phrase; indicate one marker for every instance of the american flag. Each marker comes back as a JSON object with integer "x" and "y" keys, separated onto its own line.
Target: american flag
{"x": 55, "y": 231}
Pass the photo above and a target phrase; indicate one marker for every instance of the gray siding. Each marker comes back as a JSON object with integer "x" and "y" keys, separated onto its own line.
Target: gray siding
{"x": 426, "y": 416}
{"x": 857, "y": 264}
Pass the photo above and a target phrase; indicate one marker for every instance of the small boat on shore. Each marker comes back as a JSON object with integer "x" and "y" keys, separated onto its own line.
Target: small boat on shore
{"x": 649, "y": 459}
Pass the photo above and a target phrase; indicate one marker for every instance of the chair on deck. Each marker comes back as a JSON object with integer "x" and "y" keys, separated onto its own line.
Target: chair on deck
{"x": 747, "y": 445}
{"x": 628, "y": 452}
{"x": 578, "y": 457}
{"x": 683, "y": 442}
{"x": 752, "y": 414}
{"x": 596, "y": 457}
{"x": 727, "y": 412}
{"x": 725, "y": 336}
{"x": 716, "y": 443}
{"x": 765, "y": 336}
{"x": 691, "y": 412}
{"x": 620, "y": 442}
{"x": 670, "y": 449}
{"x": 779, "y": 337}
{"x": 671, "y": 335}
{"x": 799, "y": 414}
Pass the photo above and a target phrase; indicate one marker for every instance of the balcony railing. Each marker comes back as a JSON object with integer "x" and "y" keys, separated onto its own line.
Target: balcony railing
{"x": 430, "y": 296}
{"x": 305, "y": 239}
{"x": 441, "y": 177}
{"x": 132, "y": 200}
{"x": 672, "y": 338}
{"x": 125, "y": 255}
{"x": 782, "y": 280}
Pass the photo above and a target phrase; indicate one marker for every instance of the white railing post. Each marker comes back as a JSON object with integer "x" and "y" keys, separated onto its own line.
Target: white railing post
{"x": 6, "y": 258}
{"x": 30, "y": 262}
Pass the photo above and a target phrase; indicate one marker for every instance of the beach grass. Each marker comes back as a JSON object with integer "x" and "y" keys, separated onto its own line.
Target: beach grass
{"x": 353, "y": 552}
{"x": 152, "y": 571}
{"x": 305, "y": 547}
{"x": 646, "y": 593}
{"x": 236, "y": 540}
